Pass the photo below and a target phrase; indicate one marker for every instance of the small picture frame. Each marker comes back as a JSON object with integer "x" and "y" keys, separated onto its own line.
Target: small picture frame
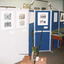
{"x": 42, "y": 18}
{"x": 7, "y": 16}
{"x": 62, "y": 17}
{"x": 22, "y": 16}
{"x": 21, "y": 20}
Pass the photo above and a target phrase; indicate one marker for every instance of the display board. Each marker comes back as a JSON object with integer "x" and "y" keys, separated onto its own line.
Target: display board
{"x": 48, "y": 20}
{"x": 55, "y": 20}
{"x": 14, "y": 41}
{"x": 42, "y": 20}
{"x": 45, "y": 23}
{"x": 55, "y": 26}
{"x": 31, "y": 28}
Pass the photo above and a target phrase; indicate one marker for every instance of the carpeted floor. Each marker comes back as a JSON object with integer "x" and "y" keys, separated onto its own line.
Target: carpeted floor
{"x": 53, "y": 58}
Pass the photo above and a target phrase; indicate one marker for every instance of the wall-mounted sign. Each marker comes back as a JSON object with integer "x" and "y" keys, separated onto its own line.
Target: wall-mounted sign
{"x": 42, "y": 18}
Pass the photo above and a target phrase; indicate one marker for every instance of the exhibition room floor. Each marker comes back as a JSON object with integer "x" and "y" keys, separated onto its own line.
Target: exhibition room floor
{"x": 53, "y": 58}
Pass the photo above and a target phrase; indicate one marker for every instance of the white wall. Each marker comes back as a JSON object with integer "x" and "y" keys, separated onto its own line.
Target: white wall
{"x": 58, "y": 4}
{"x": 19, "y": 3}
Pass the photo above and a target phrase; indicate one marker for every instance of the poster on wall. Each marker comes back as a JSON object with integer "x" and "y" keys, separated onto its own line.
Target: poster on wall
{"x": 7, "y": 19}
{"x": 62, "y": 17}
{"x": 42, "y": 18}
{"x": 21, "y": 19}
{"x": 55, "y": 17}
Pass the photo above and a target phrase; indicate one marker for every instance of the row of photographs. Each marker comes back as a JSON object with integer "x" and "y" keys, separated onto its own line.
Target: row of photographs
{"x": 7, "y": 20}
{"x": 43, "y": 18}
{"x": 7, "y": 16}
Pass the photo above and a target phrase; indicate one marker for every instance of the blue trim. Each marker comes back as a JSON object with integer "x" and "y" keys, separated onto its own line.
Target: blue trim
{"x": 40, "y": 26}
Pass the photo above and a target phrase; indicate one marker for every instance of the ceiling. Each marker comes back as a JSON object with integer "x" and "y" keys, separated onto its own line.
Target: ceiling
{"x": 45, "y": 0}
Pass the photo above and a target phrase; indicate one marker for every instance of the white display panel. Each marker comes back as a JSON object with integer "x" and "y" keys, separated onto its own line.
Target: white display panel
{"x": 13, "y": 42}
{"x": 55, "y": 17}
{"x": 42, "y": 18}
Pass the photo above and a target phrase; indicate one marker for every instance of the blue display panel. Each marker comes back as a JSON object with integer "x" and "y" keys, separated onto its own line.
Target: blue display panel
{"x": 61, "y": 25}
{"x": 39, "y": 27}
{"x": 61, "y": 20}
{"x": 31, "y": 27}
{"x": 55, "y": 26}
{"x": 44, "y": 42}
{"x": 54, "y": 22}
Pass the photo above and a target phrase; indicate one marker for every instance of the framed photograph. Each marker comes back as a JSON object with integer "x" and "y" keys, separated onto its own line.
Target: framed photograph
{"x": 21, "y": 19}
{"x": 7, "y": 16}
{"x": 42, "y": 21}
{"x": 42, "y": 18}
{"x": 7, "y": 24}
{"x": 7, "y": 19}
{"x": 21, "y": 16}
{"x": 62, "y": 17}
{"x": 22, "y": 23}
{"x": 55, "y": 17}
